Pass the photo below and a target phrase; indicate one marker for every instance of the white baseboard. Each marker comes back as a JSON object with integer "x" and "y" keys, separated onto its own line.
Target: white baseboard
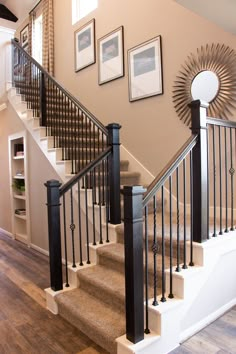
{"x": 206, "y": 321}
{"x": 39, "y": 249}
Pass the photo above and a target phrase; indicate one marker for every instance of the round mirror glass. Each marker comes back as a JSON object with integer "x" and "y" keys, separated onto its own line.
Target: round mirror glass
{"x": 205, "y": 86}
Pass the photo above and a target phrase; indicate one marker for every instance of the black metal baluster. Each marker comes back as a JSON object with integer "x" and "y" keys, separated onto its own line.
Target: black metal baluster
{"x": 146, "y": 271}
{"x": 154, "y": 250}
{"x": 72, "y": 228}
{"x": 226, "y": 183}
{"x": 191, "y": 264}
{"x": 184, "y": 190}
{"x": 171, "y": 296}
{"x": 177, "y": 226}
{"x": 107, "y": 200}
{"x": 86, "y": 216}
{"x": 65, "y": 240}
{"x": 95, "y": 130}
{"x": 94, "y": 221}
{"x": 214, "y": 179}
{"x": 208, "y": 182}
{"x": 100, "y": 203}
{"x": 232, "y": 172}
{"x": 103, "y": 175}
{"x": 163, "y": 298}
{"x": 79, "y": 226}
{"x": 63, "y": 154}
{"x": 220, "y": 180}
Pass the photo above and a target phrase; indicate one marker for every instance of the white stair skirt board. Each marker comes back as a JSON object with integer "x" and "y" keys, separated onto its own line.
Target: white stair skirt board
{"x": 202, "y": 294}
{"x": 3, "y": 106}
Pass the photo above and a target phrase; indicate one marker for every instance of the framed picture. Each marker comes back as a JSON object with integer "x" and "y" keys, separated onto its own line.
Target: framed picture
{"x": 16, "y": 56}
{"x": 111, "y": 56}
{"x": 24, "y": 36}
{"x": 145, "y": 70}
{"x": 85, "y": 46}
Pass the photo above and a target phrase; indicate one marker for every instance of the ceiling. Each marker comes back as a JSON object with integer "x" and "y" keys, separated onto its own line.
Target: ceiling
{"x": 221, "y": 12}
{"x": 20, "y": 8}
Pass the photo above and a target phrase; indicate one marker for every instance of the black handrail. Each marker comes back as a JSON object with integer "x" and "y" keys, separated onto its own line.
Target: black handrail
{"x": 64, "y": 91}
{"x": 68, "y": 185}
{"x": 169, "y": 169}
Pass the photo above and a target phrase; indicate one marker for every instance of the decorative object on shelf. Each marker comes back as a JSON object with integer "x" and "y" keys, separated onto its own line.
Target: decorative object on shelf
{"x": 85, "y": 46}
{"x": 111, "y": 56}
{"x": 24, "y": 36}
{"x": 18, "y": 150}
{"x": 209, "y": 75}
{"x": 145, "y": 70}
{"x": 19, "y": 186}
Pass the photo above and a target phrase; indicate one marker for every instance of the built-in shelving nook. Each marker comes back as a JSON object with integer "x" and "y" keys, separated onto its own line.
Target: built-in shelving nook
{"x": 19, "y": 190}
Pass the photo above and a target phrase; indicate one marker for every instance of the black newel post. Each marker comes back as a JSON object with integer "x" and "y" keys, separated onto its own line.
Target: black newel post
{"x": 200, "y": 172}
{"x": 133, "y": 234}
{"x": 54, "y": 234}
{"x": 43, "y": 110}
{"x": 114, "y": 172}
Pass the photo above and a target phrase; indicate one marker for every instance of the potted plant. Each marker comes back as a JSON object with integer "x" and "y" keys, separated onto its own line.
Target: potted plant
{"x": 19, "y": 186}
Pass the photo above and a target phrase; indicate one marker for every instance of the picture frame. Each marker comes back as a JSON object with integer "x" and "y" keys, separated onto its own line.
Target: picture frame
{"x": 145, "y": 70}
{"x": 84, "y": 42}
{"x": 16, "y": 57}
{"x": 24, "y": 36}
{"x": 111, "y": 56}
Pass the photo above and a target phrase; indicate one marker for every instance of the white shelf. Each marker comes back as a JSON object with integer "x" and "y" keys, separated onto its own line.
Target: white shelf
{"x": 18, "y": 196}
{"x": 18, "y": 164}
{"x": 23, "y": 217}
{"x": 18, "y": 157}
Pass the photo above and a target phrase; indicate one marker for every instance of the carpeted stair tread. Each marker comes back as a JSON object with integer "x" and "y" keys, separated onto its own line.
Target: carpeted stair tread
{"x": 104, "y": 283}
{"x": 112, "y": 256}
{"x": 90, "y": 315}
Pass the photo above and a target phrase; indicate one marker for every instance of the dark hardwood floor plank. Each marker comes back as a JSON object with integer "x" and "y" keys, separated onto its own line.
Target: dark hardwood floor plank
{"x": 25, "y": 324}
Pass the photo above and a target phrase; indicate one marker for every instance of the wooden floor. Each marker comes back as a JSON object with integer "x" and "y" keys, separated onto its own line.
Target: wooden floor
{"x": 217, "y": 338}
{"x": 27, "y": 327}
{"x": 25, "y": 324}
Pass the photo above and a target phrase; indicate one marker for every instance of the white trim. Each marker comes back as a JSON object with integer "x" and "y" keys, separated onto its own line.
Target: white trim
{"x": 39, "y": 249}
{"x": 135, "y": 165}
{"x": 206, "y": 321}
{"x": 3, "y": 106}
{"x": 7, "y": 30}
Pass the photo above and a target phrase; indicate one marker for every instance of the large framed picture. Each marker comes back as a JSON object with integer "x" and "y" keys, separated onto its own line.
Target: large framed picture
{"x": 24, "y": 36}
{"x": 111, "y": 56}
{"x": 85, "y": 46}
{"x": 145, "y": 70}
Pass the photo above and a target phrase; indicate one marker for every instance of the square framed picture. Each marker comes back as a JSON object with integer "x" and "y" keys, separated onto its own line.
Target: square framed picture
{"x": 24, "y": 36}
{"x": 145, "y": 70}
{"x": 111, "y": 56}
{"x": 85, "y": 46}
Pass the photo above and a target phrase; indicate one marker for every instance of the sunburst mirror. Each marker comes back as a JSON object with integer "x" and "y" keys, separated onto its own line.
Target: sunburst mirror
{"x": 209, "y": 75}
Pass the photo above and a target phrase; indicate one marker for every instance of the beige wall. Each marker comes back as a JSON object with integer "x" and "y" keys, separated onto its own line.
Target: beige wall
{"x": 151, "y": 129}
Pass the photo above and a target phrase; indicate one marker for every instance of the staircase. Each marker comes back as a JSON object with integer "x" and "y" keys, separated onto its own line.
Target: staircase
{"x": 94, "y": 298}
{"x": 97, "y": 307}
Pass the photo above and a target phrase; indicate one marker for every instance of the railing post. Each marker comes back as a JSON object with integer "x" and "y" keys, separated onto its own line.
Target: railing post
{"x": 133, "y": 237}
{"x": 114, "y": 172}
{"x": 43, "y": 110}
{"x": 54, "y": 234}
{"x": 200, "y": 172}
